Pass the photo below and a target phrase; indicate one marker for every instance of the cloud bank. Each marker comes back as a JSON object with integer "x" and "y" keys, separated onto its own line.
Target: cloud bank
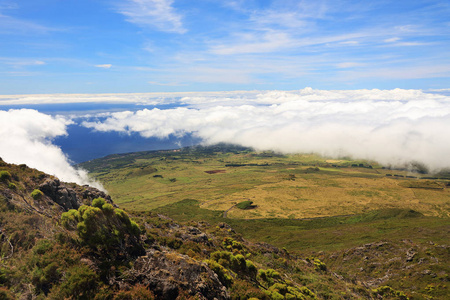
{"x": 26, "y": 139}
{"x": 389, "y": 126}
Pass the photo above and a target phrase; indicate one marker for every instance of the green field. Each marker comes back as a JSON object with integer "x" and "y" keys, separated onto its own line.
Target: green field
{"x": 331, "y": 204}
{"x": 290, "y": 186}
{"x": 359, "y": 218}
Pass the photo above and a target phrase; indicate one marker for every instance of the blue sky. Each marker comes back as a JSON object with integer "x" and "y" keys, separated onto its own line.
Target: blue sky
{"x": 115, "y": 46}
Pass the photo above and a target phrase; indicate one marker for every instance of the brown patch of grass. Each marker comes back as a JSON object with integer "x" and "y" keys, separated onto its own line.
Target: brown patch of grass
{"x": 215, "y": 171}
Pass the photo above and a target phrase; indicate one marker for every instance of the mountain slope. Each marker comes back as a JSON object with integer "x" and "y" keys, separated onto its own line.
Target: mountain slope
{"x": 45, "y": 255}
{"x": 60, "y": 240}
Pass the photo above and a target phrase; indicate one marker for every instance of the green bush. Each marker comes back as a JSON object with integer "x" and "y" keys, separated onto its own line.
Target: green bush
{"x": 234, "y": 246}
{"x": 42, "y": 246}
{"x": 47, "y": 264}
{"x": 80, "y": 283}
{"x": 98, "y": 202}
{"x": 105, "y": 229}
{"x": 244, "y": 204}
{"x": 37, "y": 194}
{"x": 236, "y": 263}
{"x": 5, "y": 294}
{"x": 389, "y": 292}
{"x": 4, "y": 175}
{"x": 318, "y": 264}
{"x": 242, "y": 289}
{"x": 70, "y": 219}
{"x": 44, "y": 278}
{"x": 224, "y": 275}
{"x": 251, "y": 268}
{"x": 269, "y": 275}
{"x": 12, "y": 186}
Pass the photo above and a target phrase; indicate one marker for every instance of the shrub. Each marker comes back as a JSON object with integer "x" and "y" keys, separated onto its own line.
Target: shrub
{"x": 388, "y": 291}
{"x": 103, "y": 228}
{"x": 224, "y": 275}
{"x": 107, "y": 208}
{"x": 37, "y": 194}
{"x": 136, "y": 292}
{"x": 319, "y": 265}
{"x": 12, "y": 186}
{"x": 244, "y": 204}
{"x": 245, "y": 290}
{"x": 232, "y": 245}
{"x": 70, "y": 219}
{"x": 4, "y": 175}
{"x": 238, "y": 263}
{"x": 98, "y": 202}
{"x": 44, "y": 278}
{"x": 5, "y": 294}
{"x": 81, "y": 283}
{"x": 42, "y": 246}
{"x": 269, "y": 275}
{"x": 251, "y": 268}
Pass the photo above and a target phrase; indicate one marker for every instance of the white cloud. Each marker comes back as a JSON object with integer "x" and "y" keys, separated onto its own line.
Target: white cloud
{"x": 20, "y": 62}
{"x": 349, "y": 43}
{"x": 26, "y": 139}
{"x": 152, "y": 13}
{"x": 15, "y": 26}
{"x": 255, "y": 43}
{"x": 402, "y": 72}
{"x": 165, "y": 83}
{"x": 346, "y": 65}
{"x": 390, "y": 126}
{"x": 391, "y": 40}
{"x": 104, "y": 66}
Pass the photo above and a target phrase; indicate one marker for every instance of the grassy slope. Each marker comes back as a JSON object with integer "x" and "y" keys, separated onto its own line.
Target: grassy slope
{"x": 294, "y": 186}
{"x": 323, "y": 234}
{"x": 329, "y": 212}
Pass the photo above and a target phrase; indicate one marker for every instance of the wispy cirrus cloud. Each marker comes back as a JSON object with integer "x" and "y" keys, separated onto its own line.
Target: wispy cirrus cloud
{"x": 165, "y": 83}
{"x": 21, "y": 62}
{"x": 158, "y": 14}
{"x": 254, "y": 43}
{"x": 11, "y": 25}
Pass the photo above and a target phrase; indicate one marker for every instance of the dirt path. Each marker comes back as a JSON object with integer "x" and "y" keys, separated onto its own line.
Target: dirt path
{"x": 226, "y": 212}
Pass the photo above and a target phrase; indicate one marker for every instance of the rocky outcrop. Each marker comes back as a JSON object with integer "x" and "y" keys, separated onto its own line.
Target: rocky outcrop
{"x": 169, "y": 274}
{"x": 58, "y": 192}
{"x": 70, "y": 197}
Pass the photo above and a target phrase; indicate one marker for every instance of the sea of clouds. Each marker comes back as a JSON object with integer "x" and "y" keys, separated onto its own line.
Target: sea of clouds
{"x": 393, "y": 127}
{"x": 27, "y": 136}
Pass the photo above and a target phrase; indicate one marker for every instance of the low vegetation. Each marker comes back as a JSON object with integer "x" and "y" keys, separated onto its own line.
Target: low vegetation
{"x": 244, "y": 204}
{"x": 293, "y": 186}
{"x": 317, "y": 229}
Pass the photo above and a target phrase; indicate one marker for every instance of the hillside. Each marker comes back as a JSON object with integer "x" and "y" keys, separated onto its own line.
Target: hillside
{"x": 60, "y": 240}
{"x": 363, "y": 220}
{"x": 280, "y": 186}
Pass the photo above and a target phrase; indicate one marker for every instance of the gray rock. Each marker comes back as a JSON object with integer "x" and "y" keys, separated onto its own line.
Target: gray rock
{"x": 168, "y": 274}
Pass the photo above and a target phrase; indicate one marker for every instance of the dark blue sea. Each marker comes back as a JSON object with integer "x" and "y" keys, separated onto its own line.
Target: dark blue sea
{"x": 83, "y": 144}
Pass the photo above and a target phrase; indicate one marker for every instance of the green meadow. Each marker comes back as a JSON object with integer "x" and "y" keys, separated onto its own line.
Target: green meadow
{"x": 289, "y": 194}
{"x": 360, "y": 218}
{"x": 279, "y": 186}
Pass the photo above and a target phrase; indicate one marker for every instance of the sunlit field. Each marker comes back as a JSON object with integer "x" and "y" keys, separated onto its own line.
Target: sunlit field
{"x": 291, "y": 186}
